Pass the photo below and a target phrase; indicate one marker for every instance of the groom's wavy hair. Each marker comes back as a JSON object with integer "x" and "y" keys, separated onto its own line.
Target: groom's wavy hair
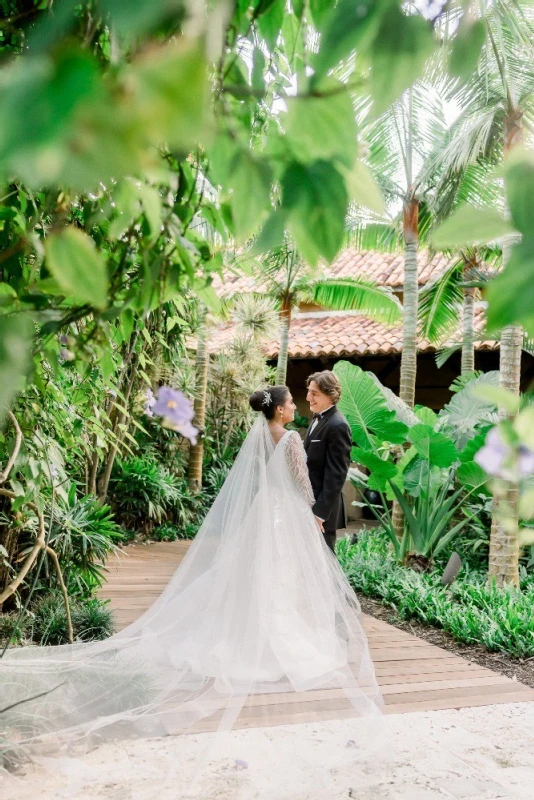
{"x": 328, "y": 383}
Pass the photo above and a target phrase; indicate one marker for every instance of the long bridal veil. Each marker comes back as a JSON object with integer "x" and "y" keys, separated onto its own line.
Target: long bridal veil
{"x": 257, "y": 613}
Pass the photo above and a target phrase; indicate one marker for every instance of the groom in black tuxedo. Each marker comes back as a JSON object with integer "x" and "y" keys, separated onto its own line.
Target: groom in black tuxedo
{"x": 328, "y": 444}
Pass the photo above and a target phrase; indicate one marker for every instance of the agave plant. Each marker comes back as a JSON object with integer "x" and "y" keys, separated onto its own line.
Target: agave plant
{"x": 435, "y": 473}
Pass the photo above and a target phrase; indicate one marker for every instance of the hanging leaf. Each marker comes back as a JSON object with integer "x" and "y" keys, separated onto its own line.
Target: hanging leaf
{"x": 270, "y": 23}
{"x": 403, "y": 44}
{"x": 76, "y": 264}
{"x": 349, "y": 24}
{"x": 323, "y": 127}
{"x": 15, "y": 356}
{"x": 509, "y": 295}
{"x": 363, "y": 188}
{"x": 467, "y": 45}
{"x": 468, "y": 225}
{"x": 251, "y": 184}
{"x": 315, "y": 199}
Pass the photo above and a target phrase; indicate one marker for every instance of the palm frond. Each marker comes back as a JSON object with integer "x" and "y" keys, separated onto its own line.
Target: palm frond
{"x": 345, "y": 294}
{"x": 440, "y": 304}
{"x": 377, "y": 236}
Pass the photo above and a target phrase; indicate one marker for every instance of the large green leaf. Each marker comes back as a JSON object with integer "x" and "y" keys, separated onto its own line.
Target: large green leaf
{"x": 315, "y": 199}
{"x": 520, "y": 190}
{"x": 364, "y": 405}
{"x": 437, "y": 448}
{"x": 380, "y": 471}
{"x": 363, "y": 188}
{"x": 39, "y": 97}
{"x": 467, "y": 411}
{"x": 251, "y": 183}
{"x": 270, "y": 23}
{"x": 348, "y": 25}
{"x": 358, "y": 294}
{"x": 509, "y": 295}
{"x": 323, "y": 127}
{"x": 402, "y": 411}
{"x": 466, "y": 47}
{"x": 170, "y": 92}
{"x": 15, "y": 356}
{"x": 472, "y": 475}
{"x": 403, "y": 44}
{"x": 420, "y": 479}
{"x": 468, "y": 225}
{"x": 76, "y": 264}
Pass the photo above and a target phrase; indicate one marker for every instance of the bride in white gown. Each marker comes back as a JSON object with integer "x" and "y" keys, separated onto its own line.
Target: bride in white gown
{"x": 258, "y": 605}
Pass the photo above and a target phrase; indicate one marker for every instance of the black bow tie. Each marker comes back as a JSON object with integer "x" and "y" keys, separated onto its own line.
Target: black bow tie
{"x": 317, "y": 416}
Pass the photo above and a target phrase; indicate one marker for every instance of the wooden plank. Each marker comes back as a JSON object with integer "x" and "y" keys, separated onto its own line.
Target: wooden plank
{"x": 437, "y": 694}
{"x": 414, "y": 675}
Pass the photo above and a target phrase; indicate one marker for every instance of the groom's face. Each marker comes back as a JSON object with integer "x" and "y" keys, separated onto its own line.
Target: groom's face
{"x": 318, "y": 400}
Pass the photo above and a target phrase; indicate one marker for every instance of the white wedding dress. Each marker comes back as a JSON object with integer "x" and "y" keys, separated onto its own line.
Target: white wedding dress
{"x": 258, "y": 605}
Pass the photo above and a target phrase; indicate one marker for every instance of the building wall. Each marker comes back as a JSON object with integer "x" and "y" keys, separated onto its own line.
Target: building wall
{"x": 433, "y": 383}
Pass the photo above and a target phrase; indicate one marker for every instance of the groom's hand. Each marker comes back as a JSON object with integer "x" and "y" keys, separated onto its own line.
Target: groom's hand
{"x": 320, "y": 524}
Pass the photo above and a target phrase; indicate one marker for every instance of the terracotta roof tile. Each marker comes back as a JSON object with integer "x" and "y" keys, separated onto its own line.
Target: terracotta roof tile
{"x": 341, "y": 334}
{"x": 383, "y": 268}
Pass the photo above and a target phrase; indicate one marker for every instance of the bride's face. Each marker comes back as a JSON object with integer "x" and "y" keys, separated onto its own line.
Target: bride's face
{"x": 287, "y": 411}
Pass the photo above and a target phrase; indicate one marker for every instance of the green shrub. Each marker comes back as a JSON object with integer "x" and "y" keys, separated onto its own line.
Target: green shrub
{"x": 168, "y": 532}
{"x": 91, "y": 619}
{"x": 7, "y": 627}
{"x": 142, "y": 492}
{"x": 471, "y": 610}
{"x": 83, "y": 535}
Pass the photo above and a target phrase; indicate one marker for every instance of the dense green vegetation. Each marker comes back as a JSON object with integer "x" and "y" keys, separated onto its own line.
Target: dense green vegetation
{"x": 145, "y": 148}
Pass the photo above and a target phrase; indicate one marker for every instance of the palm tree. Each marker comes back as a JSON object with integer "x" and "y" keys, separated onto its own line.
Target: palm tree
{"x": 496, "y": 103}
{"x": 196, "y": 452}
{"x": 451, "y": 298}
{"x": 289, "y": 281}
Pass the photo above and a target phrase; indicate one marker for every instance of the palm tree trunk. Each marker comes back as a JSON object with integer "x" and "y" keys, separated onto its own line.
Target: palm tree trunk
{"x": 503, "y": 566}
{"x": 468, "y": 331}
{"x": 410, "y": 302}
{"x": 285, "y": 324}
{"x": 196, "y": 452}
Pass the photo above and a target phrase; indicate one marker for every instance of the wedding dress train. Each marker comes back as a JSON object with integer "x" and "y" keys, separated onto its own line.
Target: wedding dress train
{"x": 259, "y": 605}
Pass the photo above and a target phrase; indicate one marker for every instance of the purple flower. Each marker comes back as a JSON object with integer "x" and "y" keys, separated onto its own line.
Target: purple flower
{"x": 150, "y": 402}
{"x": 177, "y": 412}
{"x": 63, "y": 339}
{"x": 497, "y": 458}
{"x": 240, "y": 764}
{"x": 493, "y": 455}
{"x": 526, "y": 461}
{"x": 66, "y": 355}
{"x": 352, "y": 743}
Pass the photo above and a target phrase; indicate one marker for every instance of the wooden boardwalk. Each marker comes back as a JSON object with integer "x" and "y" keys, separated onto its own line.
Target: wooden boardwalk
{"x": 413, "y": 674}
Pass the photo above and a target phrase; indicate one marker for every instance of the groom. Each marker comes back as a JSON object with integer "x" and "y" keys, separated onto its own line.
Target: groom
{"x": 328, "y": 444}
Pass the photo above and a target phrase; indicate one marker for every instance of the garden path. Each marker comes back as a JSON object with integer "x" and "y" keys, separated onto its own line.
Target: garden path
{"x": 413, "y": 674}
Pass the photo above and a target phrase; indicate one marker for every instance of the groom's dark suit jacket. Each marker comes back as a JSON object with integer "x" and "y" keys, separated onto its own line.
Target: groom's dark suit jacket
{"x": 328, "y": 449}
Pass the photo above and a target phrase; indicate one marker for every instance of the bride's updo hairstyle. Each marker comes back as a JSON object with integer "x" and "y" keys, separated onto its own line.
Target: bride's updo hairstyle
{"x": 266, "y": 400}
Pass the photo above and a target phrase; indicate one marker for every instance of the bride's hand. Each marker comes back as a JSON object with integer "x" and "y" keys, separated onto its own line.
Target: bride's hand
{"x": 320, "y": 524}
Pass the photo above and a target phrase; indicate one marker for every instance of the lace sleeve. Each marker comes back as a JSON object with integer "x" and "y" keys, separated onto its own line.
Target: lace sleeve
{"x": 296, "y": 461}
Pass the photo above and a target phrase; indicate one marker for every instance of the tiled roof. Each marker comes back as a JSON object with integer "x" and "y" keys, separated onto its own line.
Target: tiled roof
{"x": 340, "y": 333}
{"x": 383, "y": 268}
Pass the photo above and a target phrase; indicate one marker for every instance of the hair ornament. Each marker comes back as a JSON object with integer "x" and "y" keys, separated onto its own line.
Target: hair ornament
{"x": 267, "y": 399}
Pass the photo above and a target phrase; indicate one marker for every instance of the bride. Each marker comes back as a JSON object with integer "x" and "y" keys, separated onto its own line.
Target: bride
{"x": 259, "y": 605}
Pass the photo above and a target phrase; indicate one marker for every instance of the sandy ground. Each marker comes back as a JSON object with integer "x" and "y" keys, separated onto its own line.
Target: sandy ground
{"x": 477, "y": 754}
